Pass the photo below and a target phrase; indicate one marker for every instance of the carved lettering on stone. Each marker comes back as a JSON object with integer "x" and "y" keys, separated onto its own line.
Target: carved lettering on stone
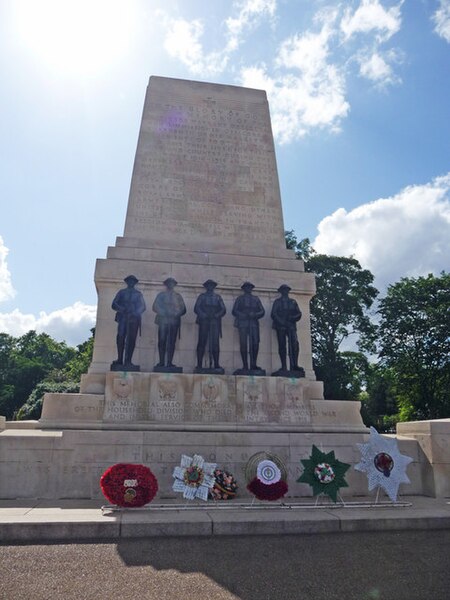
{"x": 211, "y": 401}
{"x": 203, "y": 169}
{"x": 166, "y": 401}
{"x": 254, "y": 395}
{"x": 120, "y": 403}
{"x": 296, "y": 410}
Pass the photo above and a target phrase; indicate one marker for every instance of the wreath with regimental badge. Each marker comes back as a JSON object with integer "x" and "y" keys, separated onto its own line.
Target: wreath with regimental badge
{"x": 324, "y": 473}
{"x": 129, "y": 485}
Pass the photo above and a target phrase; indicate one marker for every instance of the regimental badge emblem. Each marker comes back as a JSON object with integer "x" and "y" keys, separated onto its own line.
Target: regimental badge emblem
{"x": 294, "y": 394}
{"x": 167, "y": 390}
{"x": 253, "y": 392}
{"x": 122, "y": 387}
{"x": 210, "y": 390}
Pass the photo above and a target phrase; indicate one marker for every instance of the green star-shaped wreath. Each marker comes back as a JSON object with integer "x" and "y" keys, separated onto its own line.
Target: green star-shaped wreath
{"x": 324, "y": 473}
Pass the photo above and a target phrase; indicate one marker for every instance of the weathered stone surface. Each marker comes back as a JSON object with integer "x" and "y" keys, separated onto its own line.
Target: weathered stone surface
{"x": 169, "y": 395}
{"x": 205, "y": 163}
{"x": 211, "y": 402}
{"x": 69, "y": 464}
{"x": 434, "y": 441}
{"x": 77, "y": 408}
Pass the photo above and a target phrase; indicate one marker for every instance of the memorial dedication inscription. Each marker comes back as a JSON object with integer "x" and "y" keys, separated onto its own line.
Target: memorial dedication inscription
{"x": 205, "y": 165}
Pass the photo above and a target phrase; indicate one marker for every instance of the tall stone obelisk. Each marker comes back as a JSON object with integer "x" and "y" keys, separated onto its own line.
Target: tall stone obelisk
{"x": 204, "y": 203}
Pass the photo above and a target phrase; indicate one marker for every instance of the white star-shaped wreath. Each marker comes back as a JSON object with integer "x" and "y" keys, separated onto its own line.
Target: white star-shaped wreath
{"x": 383, "y": 464}
{"x": 194, "y": 477}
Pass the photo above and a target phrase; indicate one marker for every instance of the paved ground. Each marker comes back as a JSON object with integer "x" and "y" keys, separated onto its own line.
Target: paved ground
{"x": 408, "y": 565}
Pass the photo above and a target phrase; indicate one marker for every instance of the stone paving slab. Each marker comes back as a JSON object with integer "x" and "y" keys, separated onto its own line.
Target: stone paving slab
{"x": 32, "y": 521}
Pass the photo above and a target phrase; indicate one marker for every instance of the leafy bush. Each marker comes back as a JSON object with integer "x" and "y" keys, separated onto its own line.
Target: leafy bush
{"x": 33, "y": 406}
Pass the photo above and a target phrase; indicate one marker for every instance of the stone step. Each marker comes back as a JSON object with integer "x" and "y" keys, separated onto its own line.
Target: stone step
{"x": 72, "y": 520}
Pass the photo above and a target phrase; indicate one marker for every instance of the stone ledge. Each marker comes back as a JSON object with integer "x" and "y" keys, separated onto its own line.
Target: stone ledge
{"x": 65, "y": 521}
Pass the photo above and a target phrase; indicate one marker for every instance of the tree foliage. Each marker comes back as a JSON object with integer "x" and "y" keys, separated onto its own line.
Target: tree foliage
{"x": 34, "y": 360}
{"x": 79, "y": 364}
{"x": 303, "y": 249}
{"x": 25, "y": 361}
{"x": 379, "y": 398}
{"x": 33, "y": 406}
{"x": 340, "y": 308}
{"x": 414, "y": 342}
{"x": 412, "y": 376}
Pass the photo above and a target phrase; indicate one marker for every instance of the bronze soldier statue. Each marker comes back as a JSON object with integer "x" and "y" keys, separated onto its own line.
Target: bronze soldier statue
{"x": 285, "y": 315}
{"x": 247, "y": 311}
{"x": 129, "y": 305}
{"x": 169, "y": 308}
{"x": 209, "y": 309}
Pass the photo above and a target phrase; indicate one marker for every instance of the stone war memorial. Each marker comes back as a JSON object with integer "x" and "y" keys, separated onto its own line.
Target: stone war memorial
{"x": 202, "y": 339}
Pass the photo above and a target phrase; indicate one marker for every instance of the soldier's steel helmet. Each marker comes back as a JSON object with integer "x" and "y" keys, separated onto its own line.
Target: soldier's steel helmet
{"x": 170, "y": 280}
{"x": 210, "y": 282}
{"x": 131, "y": 278}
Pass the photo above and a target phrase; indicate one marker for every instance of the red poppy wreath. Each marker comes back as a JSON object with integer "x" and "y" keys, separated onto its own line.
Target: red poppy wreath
{"x": 129, "y": 485}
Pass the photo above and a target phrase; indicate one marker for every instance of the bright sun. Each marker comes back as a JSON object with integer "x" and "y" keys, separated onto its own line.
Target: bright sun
{"x": 76, "y": 37}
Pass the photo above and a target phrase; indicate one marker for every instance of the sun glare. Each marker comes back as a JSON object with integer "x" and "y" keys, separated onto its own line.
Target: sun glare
{"x": 76, "y": 37}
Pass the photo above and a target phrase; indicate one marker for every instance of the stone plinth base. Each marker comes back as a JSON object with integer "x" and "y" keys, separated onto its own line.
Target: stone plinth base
{"x": 120, "y": 367}
{"x": 68, "y": 464}
{"x": 297, "y": 373}
{"x": 162, "y": 401}
{"x": 434, "y": 441}
{"x": 162, "y": 369}
{"x": 211, "y": 371}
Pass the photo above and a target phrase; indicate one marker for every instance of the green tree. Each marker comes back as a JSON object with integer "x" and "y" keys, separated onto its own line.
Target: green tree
{"x": 379, "y": 399}
{"x": 79, "y": 364}
{"x": 339, "y": 309}
{"x": 303, "y": 248}
{"x": 61, "y": 378}
{"x": 33, "y": 406}
{"x": 6, "y": 388}
{"x": 26, "y": 361}
{"x": 414, "y": 342}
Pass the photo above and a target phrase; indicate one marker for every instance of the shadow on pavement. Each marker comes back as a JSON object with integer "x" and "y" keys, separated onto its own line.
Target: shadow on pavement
{"x": 411, "y": 565}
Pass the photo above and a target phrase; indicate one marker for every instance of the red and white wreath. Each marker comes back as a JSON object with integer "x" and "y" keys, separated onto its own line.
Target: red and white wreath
{"x": 266, "y": 476}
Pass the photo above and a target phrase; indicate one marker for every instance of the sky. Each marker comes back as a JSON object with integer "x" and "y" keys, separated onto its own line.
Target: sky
{"x": 359, "y": 94}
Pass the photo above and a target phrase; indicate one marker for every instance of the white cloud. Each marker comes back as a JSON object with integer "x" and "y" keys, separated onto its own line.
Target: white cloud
{"x": 6, "y": 288}
{"x": 71, "y": 324}
{"x": 183, "y": 37}
{"x": 306, "y": 80}
{"x": 406, "y": 235}
{"x": 375, "y": 65}
{"x": 307, "y": 90}
{"x": 371, "y": 16}
{"x": 249, "y": 15}
{"x": 441, "y": 20}
{"x": 183, "y": 42}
